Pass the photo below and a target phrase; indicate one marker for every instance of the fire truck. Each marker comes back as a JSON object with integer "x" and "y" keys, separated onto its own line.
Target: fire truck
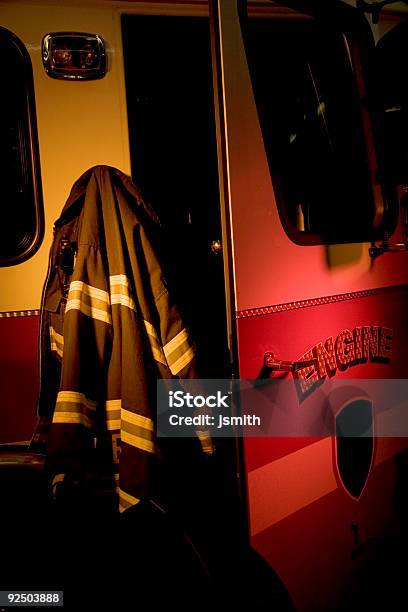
{"x": 270, "y": 137}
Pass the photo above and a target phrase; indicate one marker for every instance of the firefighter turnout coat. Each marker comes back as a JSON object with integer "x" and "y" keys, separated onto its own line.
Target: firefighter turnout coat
{"x": 109, "y": 329}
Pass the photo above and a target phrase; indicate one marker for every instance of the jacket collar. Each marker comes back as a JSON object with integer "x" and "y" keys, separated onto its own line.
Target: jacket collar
{"x": 79, "y": 188}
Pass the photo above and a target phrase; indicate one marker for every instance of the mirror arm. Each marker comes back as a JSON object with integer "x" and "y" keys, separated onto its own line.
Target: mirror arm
{"x": 387, "y": 247}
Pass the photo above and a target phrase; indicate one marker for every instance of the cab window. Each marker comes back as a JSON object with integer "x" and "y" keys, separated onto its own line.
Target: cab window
{"x": 312, "y": 114}
{"x": 22, "y": 228}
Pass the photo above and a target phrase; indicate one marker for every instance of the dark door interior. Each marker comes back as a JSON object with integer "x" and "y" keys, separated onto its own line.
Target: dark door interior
{"x": 174, "y": 162}
{"x": 172, "y": 135}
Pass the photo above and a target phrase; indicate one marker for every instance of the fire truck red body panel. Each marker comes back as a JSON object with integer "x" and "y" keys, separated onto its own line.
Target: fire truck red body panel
{"x": 297, "y": 502}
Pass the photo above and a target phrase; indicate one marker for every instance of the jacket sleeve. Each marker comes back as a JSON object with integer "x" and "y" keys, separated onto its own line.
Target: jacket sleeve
{"x": 85, "y": 347}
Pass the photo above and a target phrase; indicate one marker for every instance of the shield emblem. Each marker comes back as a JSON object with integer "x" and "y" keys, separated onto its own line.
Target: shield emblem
{"x": 354, "y": 444}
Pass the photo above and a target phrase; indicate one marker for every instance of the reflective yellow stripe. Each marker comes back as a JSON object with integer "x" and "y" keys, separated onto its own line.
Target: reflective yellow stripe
{"x": 57, "y": 342}
{"x": 182, "y": 362}
{"x": 155, "y": 344}
{"x": 113, "y": 424}
{"x": 113, "y": 405}
{"x": 205, "y": 440}
{"x": 176, "y": 342}
{"x": 123, "y": 300}
{"x": 151, "y": 330}
{"x": 121, "y": 292}
{"x": 126, "y": 500}
{"x": 137, "y": 419}
{"x": 72, "y": 418}
{"x": 116, "y": 416}
{"x": 137, "y": 430}
{"x": 119, "y": 280}
{"x": 89, "y": 311}
{"x": 91, "y": 301}
{"x": 179, "y": 352}
{"x": 58, "y": 478}
{"x": 127, "y": 497}
{"x": 73, "y": 407}
{"x": 76, "y": 398}
{"x": 158, "y": 354}
{"x": 113, "y": 408}
{"x": 94, "y": 292}
{"x": 137, "y": 442}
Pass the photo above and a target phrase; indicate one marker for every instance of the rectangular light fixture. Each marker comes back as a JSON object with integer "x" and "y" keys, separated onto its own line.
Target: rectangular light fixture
{"x": 74, "y": 56}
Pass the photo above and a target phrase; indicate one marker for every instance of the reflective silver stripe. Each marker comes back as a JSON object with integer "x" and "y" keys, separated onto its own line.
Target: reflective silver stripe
{"x": 155, "y": 344}
{"x": 91, "y": 301}
{"x": 57, "y": 342}
{"x": 120, "y": 291}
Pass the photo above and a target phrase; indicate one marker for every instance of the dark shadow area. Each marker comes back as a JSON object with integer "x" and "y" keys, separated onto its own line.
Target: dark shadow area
{"x": 174, "y": 162}
{"x": 188, "y": 555}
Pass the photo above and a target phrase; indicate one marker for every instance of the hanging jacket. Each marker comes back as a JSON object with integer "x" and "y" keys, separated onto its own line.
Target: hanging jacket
{"x": 109, "y": 329}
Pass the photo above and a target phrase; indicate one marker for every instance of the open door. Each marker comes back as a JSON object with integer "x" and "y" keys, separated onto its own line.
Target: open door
{"x": 303, "y": 200}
